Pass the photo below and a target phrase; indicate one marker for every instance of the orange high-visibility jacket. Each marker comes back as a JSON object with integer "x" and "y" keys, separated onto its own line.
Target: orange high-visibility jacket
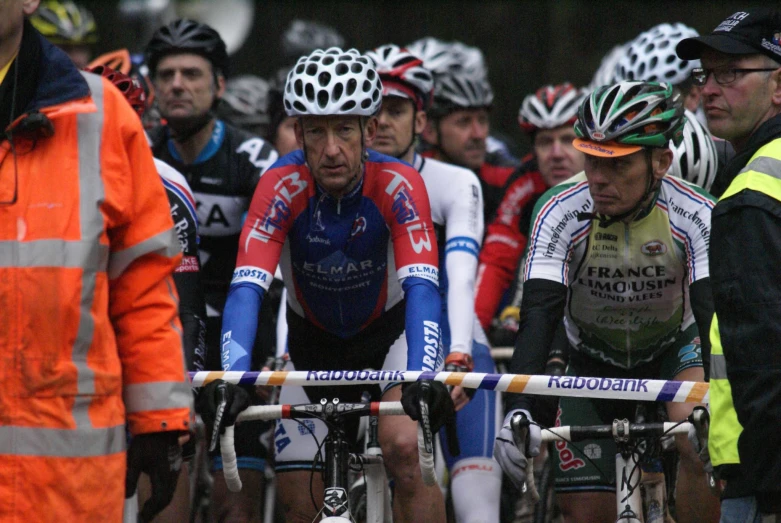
{"x": 89, "y": 333}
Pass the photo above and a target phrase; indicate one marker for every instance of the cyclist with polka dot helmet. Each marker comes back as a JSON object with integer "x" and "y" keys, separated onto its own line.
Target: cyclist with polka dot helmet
{"x": 651, "y": 57}
{"x": 352, "y": 233}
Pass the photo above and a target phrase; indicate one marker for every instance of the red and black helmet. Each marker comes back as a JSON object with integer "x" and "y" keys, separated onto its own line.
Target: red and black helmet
{"x": 128, "y": 86}
{"x": 550, "y": 107}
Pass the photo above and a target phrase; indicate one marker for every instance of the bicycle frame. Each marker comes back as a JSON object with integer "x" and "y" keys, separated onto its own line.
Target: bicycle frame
{"x": 337, "y": 457}
{"x": 629, "y": 504}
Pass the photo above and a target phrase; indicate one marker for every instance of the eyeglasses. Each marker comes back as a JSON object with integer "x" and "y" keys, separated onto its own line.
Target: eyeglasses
{"x": 722, "y": 76}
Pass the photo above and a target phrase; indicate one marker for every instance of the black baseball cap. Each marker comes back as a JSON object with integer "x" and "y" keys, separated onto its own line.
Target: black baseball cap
{"x": 754, "y": 31}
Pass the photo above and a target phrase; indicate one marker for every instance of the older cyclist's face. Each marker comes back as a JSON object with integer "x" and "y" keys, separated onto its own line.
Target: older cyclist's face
{"x": 617, "y": 184}
{"x": 397, "y": 125}
{"x": 557, "y": 158}
{"x": 334, "y": 149}
{"x": 185, "y": 86}
{"x": 462, "y": 136}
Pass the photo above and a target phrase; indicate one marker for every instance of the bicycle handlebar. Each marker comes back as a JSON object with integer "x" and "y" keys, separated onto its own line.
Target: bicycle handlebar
{"x": 329, "y": 409}
{"x": 620, "y": 430}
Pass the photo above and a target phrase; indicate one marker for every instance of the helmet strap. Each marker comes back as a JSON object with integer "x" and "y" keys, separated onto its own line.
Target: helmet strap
{"x": 411, "y": 142}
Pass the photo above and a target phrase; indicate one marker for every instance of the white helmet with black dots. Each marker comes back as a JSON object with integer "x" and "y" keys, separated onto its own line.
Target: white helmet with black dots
{"x": 333, "y": 82}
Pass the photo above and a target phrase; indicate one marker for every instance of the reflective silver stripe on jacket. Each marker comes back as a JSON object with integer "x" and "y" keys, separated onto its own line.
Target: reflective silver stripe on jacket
{"x": 158, "y": 395}
{"x": 91, "y": 195}
{"x": 62, "y": 443}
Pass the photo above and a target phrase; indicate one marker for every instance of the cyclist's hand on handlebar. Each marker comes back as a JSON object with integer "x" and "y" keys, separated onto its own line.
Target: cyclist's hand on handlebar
{"x": 511, "y": 458}
{"x": 699, "y": 442}
{"x": 158, "y": 455}
{"x": 460, "y": 362}
{"x": 221, "y": 402}
{"x": 441, "y": 408}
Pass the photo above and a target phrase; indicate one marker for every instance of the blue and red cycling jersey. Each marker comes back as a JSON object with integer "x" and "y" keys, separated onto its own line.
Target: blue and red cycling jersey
{"x": 344, "y": 261}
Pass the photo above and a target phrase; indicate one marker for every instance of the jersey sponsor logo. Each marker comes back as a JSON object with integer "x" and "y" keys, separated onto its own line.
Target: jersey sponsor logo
{"x": 428, "y": 272}
{"x": 615, "y": 384}
{"x": 604, "y": 236}
{"x": 511, "y": 205}
{"x": 694, "y": 217}
{"x": 318, "y": 225}
{"x": 561, "y": 226}
{"x": 281, "y": 439}
{"x": 359, "y": 227}
{"x": 220, "y": 215}
{"x": 278, "y": 211}
{"x": 306, "y": 427}
{"x": 474, "y": 208}
{"x": 345, "y": 268}
{"x": 405, "y": 211}
{"x": 654, "y": 248}
{"x": 690, "y": 352}
{"x": 567, "y": 459}
{"x": 404, "y": 207}
{"x": 247, "y": 274}
{"x": 317, "y": 239}
{"x": 612, "y": 283}
{"x": 431, "y": 347}
{"x": 226, "y": 353}
{"x": 260, "y": 154}
{"x": 593, "y": 451}
{"x": 189, "y": 264}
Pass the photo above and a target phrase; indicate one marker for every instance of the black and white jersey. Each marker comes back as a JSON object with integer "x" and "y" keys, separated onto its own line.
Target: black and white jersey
{"x": 223, "y": 179}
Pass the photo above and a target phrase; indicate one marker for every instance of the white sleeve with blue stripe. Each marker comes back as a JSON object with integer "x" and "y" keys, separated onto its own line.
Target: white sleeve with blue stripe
{"x": 463, "y": 200}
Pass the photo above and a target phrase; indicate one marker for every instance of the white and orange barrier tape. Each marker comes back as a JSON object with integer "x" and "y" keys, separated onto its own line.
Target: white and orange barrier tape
{"x": 607, "y": 388}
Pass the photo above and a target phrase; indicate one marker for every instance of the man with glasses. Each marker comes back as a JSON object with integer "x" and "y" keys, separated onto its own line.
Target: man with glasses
{"x": 741, "y": 90}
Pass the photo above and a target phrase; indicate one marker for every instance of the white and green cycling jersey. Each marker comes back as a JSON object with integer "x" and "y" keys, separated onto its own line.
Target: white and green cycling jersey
{"x": 628, "y": 282}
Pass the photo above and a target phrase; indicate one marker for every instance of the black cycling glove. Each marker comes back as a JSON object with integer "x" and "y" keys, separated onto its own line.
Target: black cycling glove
{"x": 158, "y": 455}
{"x": 221, "y": 402}
{"x": 441, "y": 408}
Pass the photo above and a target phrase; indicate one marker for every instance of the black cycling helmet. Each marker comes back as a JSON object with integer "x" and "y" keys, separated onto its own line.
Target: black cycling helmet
{"x": 187, "y": 36}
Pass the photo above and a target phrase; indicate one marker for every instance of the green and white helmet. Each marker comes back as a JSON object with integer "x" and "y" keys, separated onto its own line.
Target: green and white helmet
{"x": 638, "y": 114}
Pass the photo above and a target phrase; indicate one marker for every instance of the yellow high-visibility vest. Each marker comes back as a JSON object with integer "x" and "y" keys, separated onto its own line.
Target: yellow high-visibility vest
{"x": 761, "y": 174}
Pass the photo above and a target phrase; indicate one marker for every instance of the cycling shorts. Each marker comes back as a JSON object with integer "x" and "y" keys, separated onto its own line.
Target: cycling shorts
{"x": 381, "y": 346}
{"x": 590, "y": 465}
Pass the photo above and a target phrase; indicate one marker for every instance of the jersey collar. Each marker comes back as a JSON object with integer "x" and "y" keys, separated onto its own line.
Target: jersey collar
{"x": 209, "y": 150}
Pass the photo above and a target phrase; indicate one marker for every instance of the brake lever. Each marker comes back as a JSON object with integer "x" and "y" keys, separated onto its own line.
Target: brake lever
{"x": 700, "y": 418}
{"x": 222, "y": 394}
{"x": 519, "y": 426}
